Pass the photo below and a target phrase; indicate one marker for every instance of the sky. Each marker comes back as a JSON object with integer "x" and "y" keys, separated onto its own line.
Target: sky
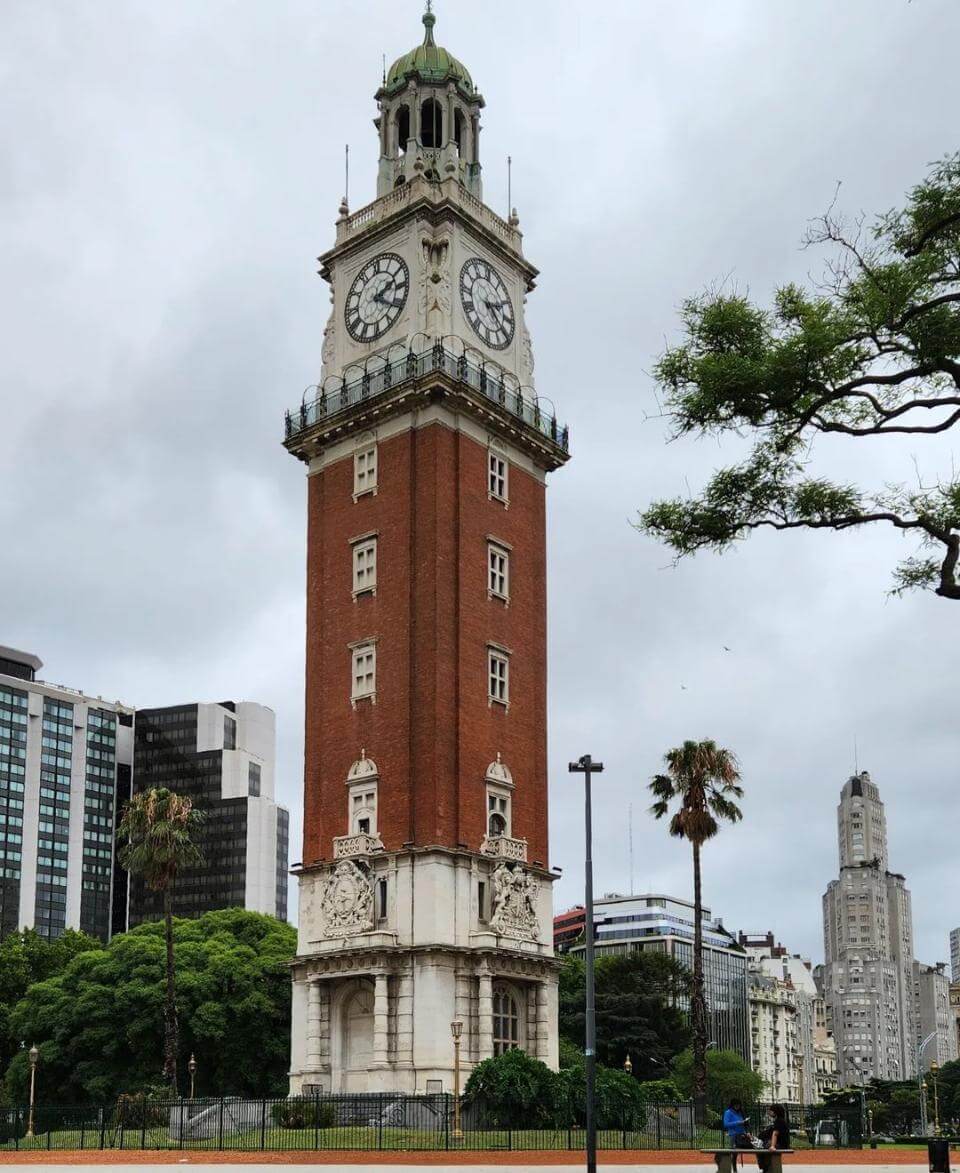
{"x": 168, "y": 175}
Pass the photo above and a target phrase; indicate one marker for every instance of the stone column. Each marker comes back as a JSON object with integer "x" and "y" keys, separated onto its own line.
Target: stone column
{"x": 381, "y": 1006}
{"x": 485, "y": 1013}
{"x": 314, "y": 1025}
{"x": 543, "y": 1025}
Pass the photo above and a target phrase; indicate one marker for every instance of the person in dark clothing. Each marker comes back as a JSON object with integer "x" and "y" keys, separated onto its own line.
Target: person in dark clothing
{"x": 776, "y": 1135}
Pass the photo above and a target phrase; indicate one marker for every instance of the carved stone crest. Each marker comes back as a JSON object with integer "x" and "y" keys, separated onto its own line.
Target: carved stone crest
{"x": 329, "y": 348}
{"x": 515, "y": 893}
{"x": 346, "y": 903}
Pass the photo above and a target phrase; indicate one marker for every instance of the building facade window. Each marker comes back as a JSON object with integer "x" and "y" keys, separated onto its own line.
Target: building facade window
{"x": 506, "y": 1021}
{"x": 363, "y": 810}
{"x": 229, "y": 733}
{"x": 498, "y": 813}
{"x": 497, "y": 476}
{"x": 365, "y": 471}
{"x": 364, "y": 672}
{"x": 365, "y": 566}
{"x": 498, "y": 571}
{"x": 253, "y": 780}
{"x": 498, "y": 677}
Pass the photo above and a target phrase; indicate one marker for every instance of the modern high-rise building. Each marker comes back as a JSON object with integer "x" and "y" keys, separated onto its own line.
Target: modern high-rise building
{"x": 222, "y": 757}
{"x": 934, "y": 1014}
{"x": 663, "y": 924}
{"x": 955, "y": 1013}
{"x": 955, "y": 955}
{"x": 65, "y": 767}
{"x": 868, "y": 946}
{"x": 425, "y": 886}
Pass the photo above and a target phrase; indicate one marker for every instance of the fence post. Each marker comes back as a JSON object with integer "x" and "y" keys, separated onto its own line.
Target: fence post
{"x": 220, "y": 1128}
{"x": 122, "y": 1105}
{"x": 263, "y": 1125}
{"x": 510, "y": 1138}
{"x": 143, "y": 1122}
{"x": 623, "y": 1144}
{"x": 659, "y": 1135}
{"x": 83, "y": 1131}
{"x": 316, "y": 1123}
{"x": 103, "y": 1127}
{"x": 380, "y": 1126}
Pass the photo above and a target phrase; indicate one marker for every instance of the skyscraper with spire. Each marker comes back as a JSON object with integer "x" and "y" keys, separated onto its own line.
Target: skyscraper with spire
{"x": 868, "y": 946}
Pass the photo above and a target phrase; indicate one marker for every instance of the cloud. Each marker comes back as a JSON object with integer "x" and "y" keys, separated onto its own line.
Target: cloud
{"x": 169, "y": 174}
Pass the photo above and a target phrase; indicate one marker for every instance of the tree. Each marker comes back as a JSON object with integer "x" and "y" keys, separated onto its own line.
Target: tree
{"x": 728, "y": 1077}
{"x": 704, "y": 780}
{"x": 873, "y": 351}
{"x": 99, "y": 1023}
{"x": 26, "y": 958}
{"x": 638, "y": 1000}
{"x": 515, "y": 1091}
{"x": 157, "y": 832}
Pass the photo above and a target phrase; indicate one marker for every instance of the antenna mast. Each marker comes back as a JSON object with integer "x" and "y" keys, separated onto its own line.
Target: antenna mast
{"x": 346, "y": 175}
{"x": 509, "y": 184}
{"x": 630, "y": 834}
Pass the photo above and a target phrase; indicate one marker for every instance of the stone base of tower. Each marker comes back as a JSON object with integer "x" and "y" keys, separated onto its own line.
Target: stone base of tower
{"x": 372, "y": 1011}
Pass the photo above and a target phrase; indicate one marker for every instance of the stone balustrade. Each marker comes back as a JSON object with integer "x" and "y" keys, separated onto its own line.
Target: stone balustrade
{"x": 503, "y": 847}
{"x": 352, "y": 846}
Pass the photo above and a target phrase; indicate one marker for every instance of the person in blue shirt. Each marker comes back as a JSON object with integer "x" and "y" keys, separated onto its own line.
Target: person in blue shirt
{"x": 735, "y": 1126}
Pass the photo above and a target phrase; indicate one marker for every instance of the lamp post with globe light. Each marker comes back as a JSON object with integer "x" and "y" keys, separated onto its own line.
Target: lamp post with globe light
{"x": 628, "y": 1065}
{"x": 934, "y": 1072}
{"x": 456, "y": 1029}
{"x": 34, "y": 1055}
{"x": 192, "y": 1068}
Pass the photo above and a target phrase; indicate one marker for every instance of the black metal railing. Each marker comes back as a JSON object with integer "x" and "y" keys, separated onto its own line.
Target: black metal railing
{"x": 384, "y": 1122}
{"x": 383, "y": 375}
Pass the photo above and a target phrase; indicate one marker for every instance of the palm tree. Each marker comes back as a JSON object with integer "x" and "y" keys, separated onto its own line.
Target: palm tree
{"x": 157, "y": 832}
{"x": 704, "y": 779}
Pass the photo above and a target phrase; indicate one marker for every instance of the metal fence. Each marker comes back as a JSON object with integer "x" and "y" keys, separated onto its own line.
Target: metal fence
{"x": 382, "y": 1122}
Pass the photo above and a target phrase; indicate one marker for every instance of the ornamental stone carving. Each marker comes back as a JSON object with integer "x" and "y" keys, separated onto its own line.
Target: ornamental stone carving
{"x": 499, "y": 773}
{"x": 515, "y": 894}
{"x": 436, "y": 286}
{"x": 363, "y": 769}
{"x": 328, "y": 351}
{"x": 527, "y": 363}
{"x": 346, "y": 904}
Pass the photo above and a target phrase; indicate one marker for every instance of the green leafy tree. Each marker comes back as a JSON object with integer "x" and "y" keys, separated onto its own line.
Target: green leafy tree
{"x": 99, "y": 1024}
{"x": 638, "y": 998}
{"x": 515, "y": 1091}
{"x": 702, "y": 780}
{"x": 874, "y": 351}
{"x": 157, "y": 835}
{"x": 26, "y": 958}
{"x": 728, "y": 1077}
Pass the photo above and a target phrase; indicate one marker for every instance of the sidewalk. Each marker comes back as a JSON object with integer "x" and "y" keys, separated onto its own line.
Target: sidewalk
{"x": 815, "y": 1159}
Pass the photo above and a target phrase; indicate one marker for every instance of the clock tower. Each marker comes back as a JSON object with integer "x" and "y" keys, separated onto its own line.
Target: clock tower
{"x": 425, "y": 886}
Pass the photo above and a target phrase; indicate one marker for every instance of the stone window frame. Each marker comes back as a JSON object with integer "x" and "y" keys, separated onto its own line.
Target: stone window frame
{"x": 366, "y": 470}
{"x": 358, "y": 651}
{"x": 498, "y": 476}
{"x": 498, "y": 681}
{"x": 513, "y": 1037}
{"x": 365, "y": 579}
{"x": 499, "y": 801}
{"x": 361, "y": 789}
{"x": 498, "y": 569}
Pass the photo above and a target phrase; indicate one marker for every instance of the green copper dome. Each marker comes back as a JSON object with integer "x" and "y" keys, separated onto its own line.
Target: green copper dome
{"x": 429, "y": 62}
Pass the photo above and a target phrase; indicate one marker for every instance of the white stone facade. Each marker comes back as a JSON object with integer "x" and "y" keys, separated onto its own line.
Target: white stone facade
{"x": 393, "y": 947}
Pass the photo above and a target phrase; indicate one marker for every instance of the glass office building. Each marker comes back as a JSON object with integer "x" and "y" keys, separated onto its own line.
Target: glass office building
{"x": 62, "y": 756}
{"x": 634, "y": 924}
{"x": 222, "y": 757}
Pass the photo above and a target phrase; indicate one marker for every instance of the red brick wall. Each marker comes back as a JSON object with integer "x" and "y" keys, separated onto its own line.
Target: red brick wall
{"x": 431, "y": 731}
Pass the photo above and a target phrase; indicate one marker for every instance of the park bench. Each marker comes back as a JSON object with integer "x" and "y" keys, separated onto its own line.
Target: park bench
{"x": 724, "y": 1157}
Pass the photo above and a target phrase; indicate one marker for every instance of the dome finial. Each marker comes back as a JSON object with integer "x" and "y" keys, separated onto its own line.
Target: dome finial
{"x": 429, "y": 20}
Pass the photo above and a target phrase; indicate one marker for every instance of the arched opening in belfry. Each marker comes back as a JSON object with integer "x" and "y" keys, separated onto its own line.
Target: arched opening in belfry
{"x": 458, "y": 129}
{"x": 431, "y": 123}
{"x": 403, "y": 127}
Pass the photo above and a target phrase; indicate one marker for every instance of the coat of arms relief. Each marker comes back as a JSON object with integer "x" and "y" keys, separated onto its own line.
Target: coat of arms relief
{"x": 515, "y": 894}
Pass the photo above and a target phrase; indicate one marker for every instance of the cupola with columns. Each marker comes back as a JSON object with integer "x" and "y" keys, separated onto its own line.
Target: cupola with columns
{"x": 429, "y": 120}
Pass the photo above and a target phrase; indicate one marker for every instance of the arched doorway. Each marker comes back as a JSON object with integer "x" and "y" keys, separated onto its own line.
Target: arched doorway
{"x": 356, "y": 1037}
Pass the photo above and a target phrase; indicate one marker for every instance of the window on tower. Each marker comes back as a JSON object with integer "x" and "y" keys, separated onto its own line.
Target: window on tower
{"x": 365, "y": 471}
{"x": 403, "y": 127}
{"x": 364, "y": 566}
{"x": 498, "y": 571}
{"x": 431, "y": 123}
{"x": 498, "y": 814}
{"x": 458, "y": 123}
{"x": 506, "y": 1021}
{"x": 498, "y": 676}
{"x": 496, "y": 477}
{"x": 364, "y": 671}
{"x": 363, "y": 810}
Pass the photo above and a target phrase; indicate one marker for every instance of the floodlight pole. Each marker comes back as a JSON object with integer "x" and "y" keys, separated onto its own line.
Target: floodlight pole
{"x": 588, "y": 767}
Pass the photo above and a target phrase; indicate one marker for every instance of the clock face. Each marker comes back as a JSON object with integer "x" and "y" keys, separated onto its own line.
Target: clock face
{"x": 487, "y": 303}
{"x": 376, "y": 297}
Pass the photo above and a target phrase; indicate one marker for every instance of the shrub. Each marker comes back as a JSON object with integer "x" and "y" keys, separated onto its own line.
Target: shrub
{"x": 659, "y": 1091}
{"x": 514, "y": 1091}
{"x": 304, "y": 1112}
{"x": 619, "y": 1103}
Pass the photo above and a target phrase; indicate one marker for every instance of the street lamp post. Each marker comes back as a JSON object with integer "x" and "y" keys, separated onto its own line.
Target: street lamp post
{"x": 628, "y": 1065}
{"x": 934, "y": 1072}
{"x": 34, "y": 1056}
{"x": 456, "y": 1029}
{"x": 921, "y": 1083}
{"x": 192, "y": 1068}
{"x": 588, "y": 767}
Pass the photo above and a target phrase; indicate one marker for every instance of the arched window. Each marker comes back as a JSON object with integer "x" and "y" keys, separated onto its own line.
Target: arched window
{"x": 498, "y": 814}
{"x": 403, "y": 127}
{"x": 458, "y": 125}
{"x": 431, "y": 123}
{"x": 506, "y": 1021}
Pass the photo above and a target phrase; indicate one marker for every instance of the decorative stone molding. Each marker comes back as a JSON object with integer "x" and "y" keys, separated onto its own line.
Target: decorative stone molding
{"x": 515, "y": 893}
{"x": 364, "y": 769}
{"x": 503, "y": 847}
{"x": 346, "y": 903}
{"x": 499, "y": 773}
{"x": 356, "y": 846}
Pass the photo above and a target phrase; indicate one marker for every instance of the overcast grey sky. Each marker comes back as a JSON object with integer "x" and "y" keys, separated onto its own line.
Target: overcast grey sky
{"x": 169, "y": 172}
